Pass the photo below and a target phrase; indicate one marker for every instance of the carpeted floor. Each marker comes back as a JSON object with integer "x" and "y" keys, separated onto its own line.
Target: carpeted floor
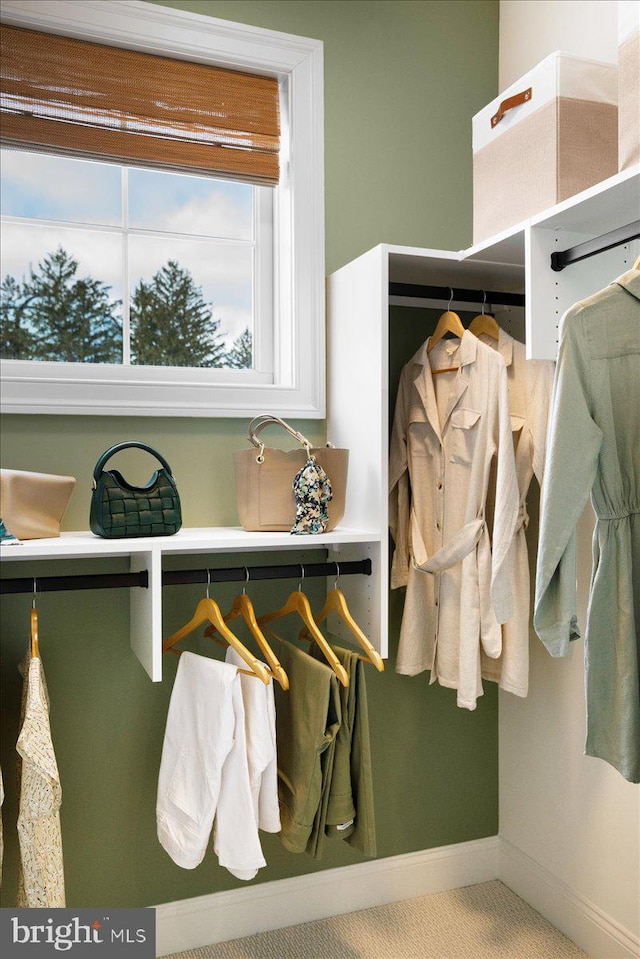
{"x": 486, "y": 921}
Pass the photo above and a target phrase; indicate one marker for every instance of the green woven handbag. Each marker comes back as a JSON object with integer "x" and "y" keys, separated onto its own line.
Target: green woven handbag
{"x": 120, "y": 510}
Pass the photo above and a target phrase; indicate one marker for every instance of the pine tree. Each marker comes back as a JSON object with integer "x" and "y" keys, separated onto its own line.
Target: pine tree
{"x": 171, "y": 324}
{"x": 240, "y": 356}
{"x": 72, "y": 319}
{"x": 17, "y": 341}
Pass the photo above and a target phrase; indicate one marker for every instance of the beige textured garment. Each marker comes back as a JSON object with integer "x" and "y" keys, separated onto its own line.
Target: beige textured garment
{"x": 446, "y": 431}
{"x": 530, "y": 385}
{"x": 41, "y": 871}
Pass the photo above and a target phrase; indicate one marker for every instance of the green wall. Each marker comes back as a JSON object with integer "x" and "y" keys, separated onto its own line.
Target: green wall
{"x": 402, "y": 80}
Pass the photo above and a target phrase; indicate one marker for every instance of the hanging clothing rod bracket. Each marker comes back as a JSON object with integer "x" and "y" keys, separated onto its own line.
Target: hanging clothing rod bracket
{"x": 419, "y": 291}
{"x": 180, "y": 577}
{"x": 624, "y": 234}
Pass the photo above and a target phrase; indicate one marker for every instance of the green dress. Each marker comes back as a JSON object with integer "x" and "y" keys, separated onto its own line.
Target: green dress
{"x": 594, "y": 449}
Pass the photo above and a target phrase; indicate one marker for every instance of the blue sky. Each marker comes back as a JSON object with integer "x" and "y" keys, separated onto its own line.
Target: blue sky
{"x": 88, "y": 195}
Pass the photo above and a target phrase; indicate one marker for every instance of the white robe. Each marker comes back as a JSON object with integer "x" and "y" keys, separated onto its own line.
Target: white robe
{"x": 446, "y": 431}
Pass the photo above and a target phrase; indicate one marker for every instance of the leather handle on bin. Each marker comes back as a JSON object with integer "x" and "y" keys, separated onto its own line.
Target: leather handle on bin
{"x": 510, "y": 103}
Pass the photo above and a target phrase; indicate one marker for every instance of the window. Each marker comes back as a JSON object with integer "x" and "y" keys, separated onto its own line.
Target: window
{"x": 130, "y": 249}
{"x": 104, "y": 263}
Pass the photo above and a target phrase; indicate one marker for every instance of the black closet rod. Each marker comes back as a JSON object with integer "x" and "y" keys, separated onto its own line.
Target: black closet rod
{"x": 444, "y": 293}
{"x": 598, "y": 244}
{"x": 180, "y": 577}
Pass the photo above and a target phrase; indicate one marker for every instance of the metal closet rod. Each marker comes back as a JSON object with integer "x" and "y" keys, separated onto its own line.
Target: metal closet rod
{"x": 624, "y": 234}
{"x": 445, "y": 293}
{"x": 180, "y": 577}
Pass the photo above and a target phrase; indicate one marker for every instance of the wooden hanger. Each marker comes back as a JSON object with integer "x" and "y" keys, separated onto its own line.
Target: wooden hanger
{"x": 336, "y": 603}
{"x": 484, "y": 323}
{"x": 33, "y": 641}
{"x": 448, "y": 322}
{"x": 298, "y": 603}
{"x": 208, "y": 610}
{"x": 636, "y": 265}
{"x": 242, "y": 606}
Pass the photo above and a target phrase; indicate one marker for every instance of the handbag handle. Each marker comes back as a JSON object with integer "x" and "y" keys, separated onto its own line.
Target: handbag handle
{"x": 258, "y": 423}
{"x": 123, "y": 446}
{"x": 509, "y": 104}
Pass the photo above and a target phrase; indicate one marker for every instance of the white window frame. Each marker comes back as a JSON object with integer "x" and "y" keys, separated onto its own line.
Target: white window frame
{"x": 298, "y": 387}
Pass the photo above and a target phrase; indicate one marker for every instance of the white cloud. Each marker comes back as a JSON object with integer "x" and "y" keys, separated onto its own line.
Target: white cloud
{"x": 223, "y": 271}
{"x": 233, "y": 321}
{"x": 217, "y": 215}
{"x": 61, "y": 186}
{"x": 98, "y": 254}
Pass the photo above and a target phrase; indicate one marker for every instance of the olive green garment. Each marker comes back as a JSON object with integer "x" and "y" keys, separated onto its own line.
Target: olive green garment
{"x": 594, "y": 448}
{"x": 307, "y": 722}
{"x": 348, "y": 813}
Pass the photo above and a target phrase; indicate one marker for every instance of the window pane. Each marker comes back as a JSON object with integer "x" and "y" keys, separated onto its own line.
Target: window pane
{"x": 191, "y": 302}
{"x": 48, "y": 187}
{"x": 196, "y": 205}
{"x": 61, "y": 294}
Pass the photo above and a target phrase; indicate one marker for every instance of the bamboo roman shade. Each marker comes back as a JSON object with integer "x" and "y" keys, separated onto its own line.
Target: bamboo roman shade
{"x": 69, "y": 95}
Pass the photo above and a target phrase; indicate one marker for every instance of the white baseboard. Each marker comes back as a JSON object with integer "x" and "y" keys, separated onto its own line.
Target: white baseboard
{"x": 583, "y": 922}
{"x": 190, "y": 923}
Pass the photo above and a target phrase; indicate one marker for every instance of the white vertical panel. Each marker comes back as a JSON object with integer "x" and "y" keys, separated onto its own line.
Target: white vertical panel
{"x": 358, "y": 418}
{"x": 358, "y": 388}
{"x": 145, "y": 610}
{"x": 550, "y": 294}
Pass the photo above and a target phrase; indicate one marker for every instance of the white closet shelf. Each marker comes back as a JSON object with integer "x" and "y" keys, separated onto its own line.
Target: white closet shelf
{"x": 146, "y": 553}
{"x": 214, "y": 539}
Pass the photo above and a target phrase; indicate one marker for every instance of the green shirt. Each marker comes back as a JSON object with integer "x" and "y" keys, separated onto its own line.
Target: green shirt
{"x": 594, "y": 450}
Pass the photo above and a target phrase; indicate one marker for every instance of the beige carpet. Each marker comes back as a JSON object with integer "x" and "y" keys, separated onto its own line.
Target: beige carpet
{"x": 486, "y": 921}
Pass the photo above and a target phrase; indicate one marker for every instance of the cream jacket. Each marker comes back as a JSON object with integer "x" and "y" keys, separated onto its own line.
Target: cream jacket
{"x": 446, "y": 431}
{"x": 530, "y": 385}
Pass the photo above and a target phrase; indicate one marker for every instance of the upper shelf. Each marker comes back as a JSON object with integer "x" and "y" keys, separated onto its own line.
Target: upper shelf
{"x": 84, "y": 545}
{"x": 598, "y": 210}
{"x": 499, "y": 260}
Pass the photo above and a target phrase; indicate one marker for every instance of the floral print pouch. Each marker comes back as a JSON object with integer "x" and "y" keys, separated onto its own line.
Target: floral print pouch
{"x": 313, "y": 493}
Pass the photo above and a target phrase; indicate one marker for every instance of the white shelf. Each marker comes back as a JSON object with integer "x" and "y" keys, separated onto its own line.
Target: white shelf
{"x": 146, "y": 554}
{"x": 600, "y": 209}
{"x": 215, "y": 539}
{"x": 480, "y": 268}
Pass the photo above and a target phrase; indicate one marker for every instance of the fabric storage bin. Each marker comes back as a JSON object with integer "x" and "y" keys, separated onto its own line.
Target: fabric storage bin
{"x": 628, "y": 83}
{"x": 550, "y": 135}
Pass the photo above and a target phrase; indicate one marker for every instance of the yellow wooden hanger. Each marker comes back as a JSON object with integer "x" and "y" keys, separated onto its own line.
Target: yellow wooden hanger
{"x": 242, "y": 606}
{"x": 208, "y": 610}
{"x": 448, "y": 322}
{"x": 33, "y": 641}
{"x": 484, "y": 323}
{"x": 336, "y": 603}
{"x": 298, "y": 603}
{"x": 636, "y": 265}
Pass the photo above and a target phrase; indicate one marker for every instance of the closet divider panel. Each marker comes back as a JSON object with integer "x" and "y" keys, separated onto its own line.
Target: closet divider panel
{"x": 358, "y": 418}
{"x": 594, "y": 212}
{"x": 145, "y": 612}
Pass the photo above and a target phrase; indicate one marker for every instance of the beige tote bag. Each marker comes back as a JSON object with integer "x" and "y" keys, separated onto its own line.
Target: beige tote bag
{"x": 264, "y": 479}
